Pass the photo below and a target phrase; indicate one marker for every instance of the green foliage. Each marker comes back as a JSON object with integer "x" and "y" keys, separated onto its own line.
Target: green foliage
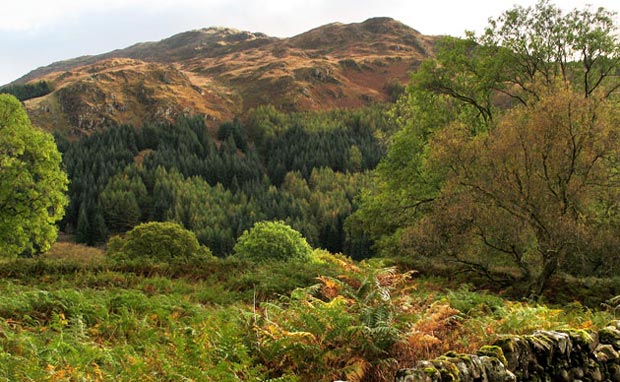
{"x": 341, "y": 328}
{"x": 90, "y": 164}
{"x": 520, "y": 50}
{"x": 121, "y": 177}
{"x": 394, "y": 89}
{"x": 271, "y": 279}
{"x": 123, "y": 201}
{"x": 214, "y": 214}
{"x": 25, "y": 92}
{"x": 32, "y": 183}
{"x": 119, "y": 335}
{"x": 289, "y": 142}
{"x": 159, "y": 243}
{"x": 543, "y": 43}
{"x": 471, "y": 93}
{"x": 221, "y": 321}
{"x": 522, "y": 196}
{"x": 235, "y": 130}
{"x": 472, "y": 302}
{"x": 272, "y": 240}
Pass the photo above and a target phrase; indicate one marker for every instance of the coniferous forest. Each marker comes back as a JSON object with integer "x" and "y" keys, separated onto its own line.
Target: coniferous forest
{"x": 305, "y": 169}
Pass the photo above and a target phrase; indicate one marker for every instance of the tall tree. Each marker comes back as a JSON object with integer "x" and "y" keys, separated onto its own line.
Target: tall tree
{"x": 32, "y": 184}
{"x": 535, "y": 193}
{"x": 468, "y": 93}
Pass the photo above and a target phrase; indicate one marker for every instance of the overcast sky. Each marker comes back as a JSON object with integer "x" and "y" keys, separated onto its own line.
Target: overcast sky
{"x": 35, "y": 33}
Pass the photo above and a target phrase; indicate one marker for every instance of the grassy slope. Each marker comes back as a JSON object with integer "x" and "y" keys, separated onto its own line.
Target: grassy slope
{"x": 66, "y": 319}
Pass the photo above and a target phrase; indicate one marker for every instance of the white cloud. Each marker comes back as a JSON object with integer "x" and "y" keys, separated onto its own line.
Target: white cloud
{"x": 22, "y": 15}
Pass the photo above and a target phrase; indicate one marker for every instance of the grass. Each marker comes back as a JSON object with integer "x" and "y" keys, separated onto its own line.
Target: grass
{"x": 65, "y": 317}
{"x": 76, "y": 253}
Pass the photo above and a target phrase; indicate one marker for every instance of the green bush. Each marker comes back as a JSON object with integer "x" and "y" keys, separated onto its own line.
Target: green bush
{"x": 158, "y": 242}
{"x": 270, "y": 279}
{"x": 272, "y": 240}
{"x": 473, "y": 302}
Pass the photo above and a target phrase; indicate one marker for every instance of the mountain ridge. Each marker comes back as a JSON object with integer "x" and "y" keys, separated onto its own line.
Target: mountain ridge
{"x": 221, "y": 72}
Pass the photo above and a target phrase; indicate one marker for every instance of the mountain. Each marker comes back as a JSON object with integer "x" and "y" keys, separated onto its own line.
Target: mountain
{"x": 222, "y": 72}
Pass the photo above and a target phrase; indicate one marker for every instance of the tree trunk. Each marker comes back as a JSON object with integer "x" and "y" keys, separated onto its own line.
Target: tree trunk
{"x": 550, "y": 266}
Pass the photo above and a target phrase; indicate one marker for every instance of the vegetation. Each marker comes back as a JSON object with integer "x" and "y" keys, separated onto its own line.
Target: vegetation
{"x": 217, "y": 321}
{"x": 505, "y": 163}
{"x": 267, "y": 241}
{"x": 121, "y": 177}
{"x": 499, "y": 163}
{"x": 25, "y": 92}
{"x": 158, "y": 242}
{"x": 32, "y": 184}
{"x": 536, "y": 193}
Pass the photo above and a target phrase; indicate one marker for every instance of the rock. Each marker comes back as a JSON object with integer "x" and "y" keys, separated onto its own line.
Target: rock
{"x": 577, "y": 373}
{"x": 606, "y": 353}
{"x": 610, "y": 335}
{"x": 495, "y": 370}
{"x": 493, "y": 351}
{"x": 614, "y": 373}
{"x": 567, "y": 356}
{"x": 424, "y": 371}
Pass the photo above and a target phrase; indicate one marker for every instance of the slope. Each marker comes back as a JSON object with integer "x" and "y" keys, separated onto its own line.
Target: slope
{"x": 221, "y": 72}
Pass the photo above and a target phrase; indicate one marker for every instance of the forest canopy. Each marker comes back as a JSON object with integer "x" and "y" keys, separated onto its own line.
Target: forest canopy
{"x": 302, "y": 168}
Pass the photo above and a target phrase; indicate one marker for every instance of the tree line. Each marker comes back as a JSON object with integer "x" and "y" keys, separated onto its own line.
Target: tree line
{"x": 25, "y": 92}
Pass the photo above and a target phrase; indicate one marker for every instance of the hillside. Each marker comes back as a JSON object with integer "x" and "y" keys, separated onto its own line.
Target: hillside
{"x": 221, "y": 72}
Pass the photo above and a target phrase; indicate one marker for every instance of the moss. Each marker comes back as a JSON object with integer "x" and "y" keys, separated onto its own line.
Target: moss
{"x": 493, "y": 351}
{"x": 465, "y": 357}
{"x": 541, "y": 343}
{"x": 581, "y": 334}
{"x": 508, "y": 344}
{"x": 582, "y": 339}
{"x": 450, "y": 373}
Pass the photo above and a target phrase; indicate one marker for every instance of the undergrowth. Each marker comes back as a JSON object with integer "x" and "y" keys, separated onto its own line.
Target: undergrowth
{"x": 71, "y": 319}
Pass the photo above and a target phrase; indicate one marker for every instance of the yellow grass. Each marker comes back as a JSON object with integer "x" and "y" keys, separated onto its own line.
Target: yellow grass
{"x": 75, "y": 253}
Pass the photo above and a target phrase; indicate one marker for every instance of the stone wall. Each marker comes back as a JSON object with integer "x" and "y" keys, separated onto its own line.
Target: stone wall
{"x": 554, "y": 356}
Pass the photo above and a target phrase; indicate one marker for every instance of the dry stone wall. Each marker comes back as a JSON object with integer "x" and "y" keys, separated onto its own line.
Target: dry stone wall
{"x": 553, "y": 356}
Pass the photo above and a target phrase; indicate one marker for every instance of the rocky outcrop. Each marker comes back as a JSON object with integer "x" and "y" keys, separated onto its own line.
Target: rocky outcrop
{"x": 563, "y": 356}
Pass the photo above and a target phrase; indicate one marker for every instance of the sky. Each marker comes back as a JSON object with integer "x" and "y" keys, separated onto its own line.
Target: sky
{"x": 35, "y": 33}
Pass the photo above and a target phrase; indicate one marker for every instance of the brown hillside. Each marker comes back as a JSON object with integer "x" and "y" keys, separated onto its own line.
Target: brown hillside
{"x": 220, "y": 72}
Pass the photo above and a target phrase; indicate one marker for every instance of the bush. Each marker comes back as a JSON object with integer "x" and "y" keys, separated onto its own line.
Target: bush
{"x": 158, "y": 242}
{"x": 273, "y": 240}
{"x": 472, "y": 302}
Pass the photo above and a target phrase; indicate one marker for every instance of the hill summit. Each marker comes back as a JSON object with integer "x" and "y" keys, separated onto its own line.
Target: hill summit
{"x": 222, "y": 72}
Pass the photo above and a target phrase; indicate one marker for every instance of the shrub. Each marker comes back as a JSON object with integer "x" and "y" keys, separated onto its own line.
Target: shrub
{"x": 158, "y": 242}
{"x": 272, "y": 240}
{"x": 470, "y": 302}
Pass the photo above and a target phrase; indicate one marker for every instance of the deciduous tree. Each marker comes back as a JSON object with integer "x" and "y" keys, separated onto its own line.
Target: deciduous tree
{"x": 32, "y": 184}
{"x": 535, "y": 194}
{"x": 478, "y": 98}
